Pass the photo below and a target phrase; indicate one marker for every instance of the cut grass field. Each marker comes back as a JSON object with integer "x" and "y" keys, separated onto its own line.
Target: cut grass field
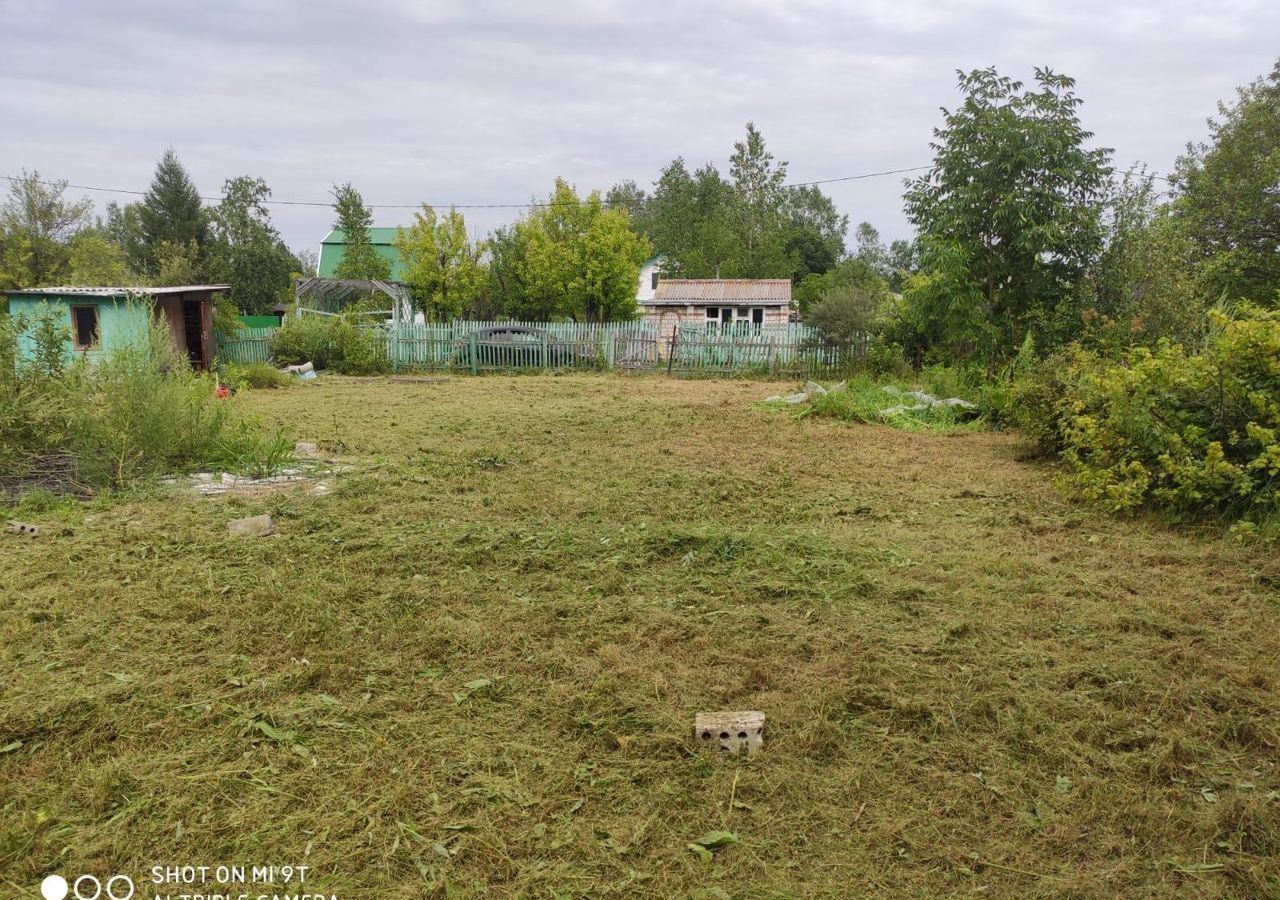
{"x": 472, "y": 668}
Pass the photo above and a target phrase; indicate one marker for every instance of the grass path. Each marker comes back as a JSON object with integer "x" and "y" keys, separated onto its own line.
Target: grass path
{"x": 471, "y": 670}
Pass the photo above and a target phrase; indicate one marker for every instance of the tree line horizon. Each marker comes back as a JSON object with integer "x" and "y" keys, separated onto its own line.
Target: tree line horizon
{"x": 1022, "y": 228}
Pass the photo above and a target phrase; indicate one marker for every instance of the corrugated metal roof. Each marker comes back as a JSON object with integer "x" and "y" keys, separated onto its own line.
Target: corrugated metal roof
{"x": 120, "y": 291}
{"x": 760, "y": 291}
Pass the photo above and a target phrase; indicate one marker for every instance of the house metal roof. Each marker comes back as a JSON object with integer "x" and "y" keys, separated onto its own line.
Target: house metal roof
{"x": 334, "y": 246}
{"x": 81, "y": 291}
{"x": 702, "y": 291}
{"x": 378, "y": 234}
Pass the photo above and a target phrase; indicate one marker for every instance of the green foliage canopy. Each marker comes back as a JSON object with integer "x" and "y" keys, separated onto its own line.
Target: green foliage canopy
{"x": 171, "y": 213}
{"x": 1229, "y": 204}
{"x": 1009, "y": 215}
{"x": 245, "y": 250}
{"x": 359, "y": 258}
{"x": 442, "y": 265}
{"x": 580, "y": 260}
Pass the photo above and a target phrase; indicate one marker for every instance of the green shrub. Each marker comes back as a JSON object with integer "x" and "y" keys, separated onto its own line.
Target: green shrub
{"x": 885, "y": 359}
{"x": 1191, "y": 432}
{"x": 340, "y": 343}
{"x": 302, "y": 339}
{"x": 1036, "y": 399}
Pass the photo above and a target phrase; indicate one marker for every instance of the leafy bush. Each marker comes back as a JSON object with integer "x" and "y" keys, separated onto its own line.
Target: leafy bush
{"x": 1037, "y": 395}
{"x": 331, "y": 342}
{"x": 1192, "y": 432}
{"x": 302, "y": 339}
{"x": 885, "y": 359}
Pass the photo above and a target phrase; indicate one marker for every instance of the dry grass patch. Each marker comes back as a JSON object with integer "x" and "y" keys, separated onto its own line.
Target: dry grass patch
{"x": 472, "y": 669}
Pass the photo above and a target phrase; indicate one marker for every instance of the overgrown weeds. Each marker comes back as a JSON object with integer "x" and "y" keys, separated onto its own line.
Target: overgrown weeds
{"x": 135, "y": 412}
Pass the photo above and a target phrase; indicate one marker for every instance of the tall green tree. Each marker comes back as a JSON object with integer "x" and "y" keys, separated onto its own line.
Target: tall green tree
{"x": 37, "y": 221}
{"x": 748, "y": 226}
{"x": 1229, "y": 199}
{"x": 245, "y": 250}
{"x": 442, "y": 265}
{"x": 758, "y": 215}
{"x": 690, "y": 222}
{"x": 630, "y": 196}
{"x": 813, "y": 238}
{"x": 171, "y": 212}
{"x": 505, "y": 290}
{"x": 581, "y": 259}
{"x": 1146, "y": 282}
{"x": 871, "y": 249}
{"x": 904, "y": 261}
{"x": 360, "y": 260}
{"x": 123, "y": 227}
{"x": 96, "y": 260}
{"x": 1009, "y": 214}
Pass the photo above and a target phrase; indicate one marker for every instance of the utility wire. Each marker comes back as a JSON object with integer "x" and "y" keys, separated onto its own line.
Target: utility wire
{"x": 532, "y": 205}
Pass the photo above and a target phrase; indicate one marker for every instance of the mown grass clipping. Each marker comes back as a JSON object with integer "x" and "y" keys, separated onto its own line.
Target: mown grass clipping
{"x": 472, "y": 669}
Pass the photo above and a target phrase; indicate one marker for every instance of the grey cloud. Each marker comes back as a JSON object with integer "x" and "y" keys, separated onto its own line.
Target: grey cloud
{"x": 488, "y": 102}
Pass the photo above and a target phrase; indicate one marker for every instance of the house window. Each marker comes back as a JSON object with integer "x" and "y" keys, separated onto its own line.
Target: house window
{"x": 84, "y": 325}
{"x": 653, "y": 282}
{"x": 757, "y": 316}
{"x": 713, "y": 314}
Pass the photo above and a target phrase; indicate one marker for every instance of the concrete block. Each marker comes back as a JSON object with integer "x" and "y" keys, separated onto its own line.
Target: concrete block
{"x": 253, "y": 526}
{"x": 731, "y": 732}
{"x": 23, "y": 528}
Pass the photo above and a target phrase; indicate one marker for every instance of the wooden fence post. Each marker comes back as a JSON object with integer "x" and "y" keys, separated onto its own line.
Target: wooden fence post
{"x": 473, "y": 352}
{"x": 671, "y": 351}
{"x": 773, "y": 352}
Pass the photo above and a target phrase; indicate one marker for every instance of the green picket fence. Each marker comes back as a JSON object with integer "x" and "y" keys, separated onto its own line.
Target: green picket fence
{"x": 790, "y": 349}
{"x": 246, "y": 345}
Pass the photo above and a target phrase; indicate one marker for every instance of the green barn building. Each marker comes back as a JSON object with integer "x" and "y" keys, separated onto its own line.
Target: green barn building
{"x": 335, "y": 244}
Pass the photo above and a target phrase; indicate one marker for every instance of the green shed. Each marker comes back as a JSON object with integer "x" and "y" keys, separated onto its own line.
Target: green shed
{"x": 335, "y": 244}
{"x": 103, "y": 318}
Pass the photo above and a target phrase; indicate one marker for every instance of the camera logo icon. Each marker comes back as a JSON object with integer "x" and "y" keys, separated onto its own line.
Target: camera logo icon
{"x": 87, "y": 887}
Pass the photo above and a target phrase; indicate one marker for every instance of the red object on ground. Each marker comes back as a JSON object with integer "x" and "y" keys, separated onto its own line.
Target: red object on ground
{"x": 222, "y": 392}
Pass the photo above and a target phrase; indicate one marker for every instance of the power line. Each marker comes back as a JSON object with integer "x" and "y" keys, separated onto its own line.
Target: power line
{"x": 531, "y": 205}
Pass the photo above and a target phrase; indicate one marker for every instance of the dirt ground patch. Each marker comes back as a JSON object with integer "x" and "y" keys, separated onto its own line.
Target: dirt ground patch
{"x": 472, "y": 668}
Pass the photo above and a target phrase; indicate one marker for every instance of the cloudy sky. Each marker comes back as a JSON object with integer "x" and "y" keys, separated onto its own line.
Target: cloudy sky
{"x": 487, "y": 102}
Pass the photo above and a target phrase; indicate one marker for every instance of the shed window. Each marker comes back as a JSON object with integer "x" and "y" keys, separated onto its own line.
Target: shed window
{"x": 84, "y": 322}
{"x": 653, "y": 284}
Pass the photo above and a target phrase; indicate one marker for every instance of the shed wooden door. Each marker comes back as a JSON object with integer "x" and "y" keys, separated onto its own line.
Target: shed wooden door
{"x": 193, "y": 328}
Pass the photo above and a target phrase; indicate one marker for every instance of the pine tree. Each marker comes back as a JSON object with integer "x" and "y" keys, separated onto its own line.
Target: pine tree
{"x": 171, "y": 212}
{"x": 359, "y": 258}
